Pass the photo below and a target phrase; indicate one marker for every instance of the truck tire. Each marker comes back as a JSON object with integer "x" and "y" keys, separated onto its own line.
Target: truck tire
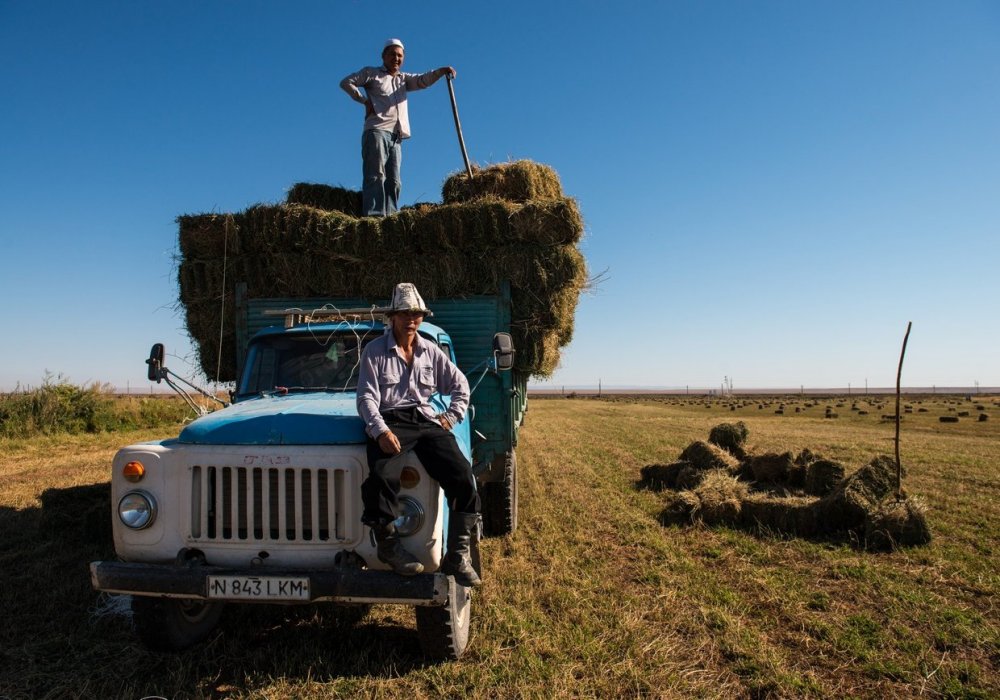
{"x": 444, "y": 630}
{"x": 500, "y": 499}
{"x": 171, "y": 624}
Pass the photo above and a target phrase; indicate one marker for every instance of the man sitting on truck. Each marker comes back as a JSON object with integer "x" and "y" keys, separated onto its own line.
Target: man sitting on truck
{"x": 387, "y": 123}
{"x": 398, "y": 375}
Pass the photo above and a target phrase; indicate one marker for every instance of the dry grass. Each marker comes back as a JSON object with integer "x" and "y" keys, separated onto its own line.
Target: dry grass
{"x": 591, "y": 597}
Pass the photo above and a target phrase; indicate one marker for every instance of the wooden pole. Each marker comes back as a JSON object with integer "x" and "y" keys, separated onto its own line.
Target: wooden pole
{"x": 458, "y": 127}
{"x": 899, "y": 374}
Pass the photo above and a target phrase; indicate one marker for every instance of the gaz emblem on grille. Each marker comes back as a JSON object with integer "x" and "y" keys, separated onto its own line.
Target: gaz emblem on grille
{"x": 266, "y": 460}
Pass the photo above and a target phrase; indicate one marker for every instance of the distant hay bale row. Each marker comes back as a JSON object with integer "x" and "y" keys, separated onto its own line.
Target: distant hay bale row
{"x": 313, "y": 246}
{"x": 815, "y": 497}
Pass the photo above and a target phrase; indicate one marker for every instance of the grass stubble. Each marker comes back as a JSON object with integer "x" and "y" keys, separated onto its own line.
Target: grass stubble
{"x": 591, "y": 597}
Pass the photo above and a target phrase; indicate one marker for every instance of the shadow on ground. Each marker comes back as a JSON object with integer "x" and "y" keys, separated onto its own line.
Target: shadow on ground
{"x": 61, "y": 638}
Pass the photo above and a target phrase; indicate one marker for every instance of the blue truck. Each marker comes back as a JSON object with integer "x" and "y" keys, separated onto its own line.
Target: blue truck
{"x": 260, "y": 502}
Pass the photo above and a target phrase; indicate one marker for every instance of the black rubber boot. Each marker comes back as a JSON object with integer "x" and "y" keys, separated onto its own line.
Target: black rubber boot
{"x": 390, "y": 550}
{"x": 457, "y": 562}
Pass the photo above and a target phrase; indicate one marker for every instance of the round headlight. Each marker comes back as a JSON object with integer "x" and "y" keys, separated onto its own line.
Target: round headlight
{"x": 137, "y": 510}
{"x": 411, "y": 516}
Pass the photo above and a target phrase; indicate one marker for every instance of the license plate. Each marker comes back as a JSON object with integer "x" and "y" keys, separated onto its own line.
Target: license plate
{"x": 259, "y": 587}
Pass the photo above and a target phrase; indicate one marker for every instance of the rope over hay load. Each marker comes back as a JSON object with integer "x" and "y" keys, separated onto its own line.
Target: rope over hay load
{"x": 511, "y": 223}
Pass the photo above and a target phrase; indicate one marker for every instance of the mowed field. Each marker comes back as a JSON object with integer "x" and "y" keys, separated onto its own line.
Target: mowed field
{"x": 591, "y": 597}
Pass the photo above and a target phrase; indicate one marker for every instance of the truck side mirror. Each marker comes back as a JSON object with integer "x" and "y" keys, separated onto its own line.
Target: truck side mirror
{"x": 503, "y": 350}
{"x": 155, "y": 362}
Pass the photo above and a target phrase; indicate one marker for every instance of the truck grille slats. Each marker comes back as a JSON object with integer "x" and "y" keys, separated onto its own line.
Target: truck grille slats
{"x": 269, "y": 504}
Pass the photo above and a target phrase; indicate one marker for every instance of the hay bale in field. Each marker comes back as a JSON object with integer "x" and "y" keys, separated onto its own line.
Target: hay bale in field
{"x": 948, "y": 419}
{"x": 730, "y": 437}
{"x": 848, "y": 505}
{"x": 325, "y": 197}
{"x": 463, "y": 248}
{"x": 679, "y": 509}
{"x": 518, "y": 181}
{"x": 661, "y": 476}
{"x": 822, "y": 477}
{"x": 720, "y": 497}
{"x": 689, "y": 476}
{"x": 791, "y": 515}
{"x": 897, "y": 524}
{"x": 772, "y": 467}
{"x": 705, "y": 455}
{"x": 983, "y": 417}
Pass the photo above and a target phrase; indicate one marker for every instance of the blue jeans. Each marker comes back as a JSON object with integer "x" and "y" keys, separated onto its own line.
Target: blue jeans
{"x": 381, "y": 154}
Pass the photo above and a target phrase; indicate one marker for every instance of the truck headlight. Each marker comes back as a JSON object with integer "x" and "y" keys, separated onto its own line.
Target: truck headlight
{"x": 137, "y": 510}
{"x": 411, "y": 516}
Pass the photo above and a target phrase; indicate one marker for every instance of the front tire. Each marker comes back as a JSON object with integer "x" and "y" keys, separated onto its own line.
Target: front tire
{"x": 500, "y": 499}
{"x": 172, "y": 624}
{"x": 444, "y": 630}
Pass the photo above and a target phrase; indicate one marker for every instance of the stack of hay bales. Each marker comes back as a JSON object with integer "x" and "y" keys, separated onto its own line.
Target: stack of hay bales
{"x": 512, "y": 223}
{"x": 806, "y": 496}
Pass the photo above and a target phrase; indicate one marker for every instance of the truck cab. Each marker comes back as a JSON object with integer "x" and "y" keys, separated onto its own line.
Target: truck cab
{"x": 260, "y": 502}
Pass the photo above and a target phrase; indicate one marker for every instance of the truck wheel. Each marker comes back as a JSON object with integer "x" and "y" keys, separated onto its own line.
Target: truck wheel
{"x": 444, "y": 630}
{"x": 171, "y": 624}
{"x": 500, "y": 499}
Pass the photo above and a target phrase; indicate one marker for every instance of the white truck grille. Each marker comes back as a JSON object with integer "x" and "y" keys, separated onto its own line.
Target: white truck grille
{"x": 269, "y": 504}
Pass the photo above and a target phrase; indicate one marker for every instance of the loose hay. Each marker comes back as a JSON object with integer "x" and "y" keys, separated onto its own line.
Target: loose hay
{"x": 730, "y": 437}
{"x": 897, "y": 524}
{"x": 705, "y": 455}
{"x": 720, "y": 496}
{"x": 471, "y": 245}
{"x": 772, "y": 467}
{"x": 661, "y": 476}
{"x": 680, "y": 508}
{"x": 822, "y": 477}
{"x": 847, "y": 507}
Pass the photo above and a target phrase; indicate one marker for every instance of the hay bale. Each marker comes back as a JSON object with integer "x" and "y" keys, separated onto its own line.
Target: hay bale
{"x": 518, "y": 181}
{"x": 325, "y": 197}
{"x": 689, "y": 476}
{"x": 983, "y": 417}
{"x": 679, "y": 509}
{"x": 465, "y": 248}
{"x": 948, "y": 419}
{"x": 730, "y": 437}
{"x": 661, "y": 476}
{"x": 822, "y": 476}
{"x": 849, "y": 504}
{"x": 791, "y": 515}
{"x": 772, "y": 467}
{"x": 720, "y": 496}
{"x": 805, "y": 457}
{"x": 705, "y": 455}
{"x": 897, "y": 524}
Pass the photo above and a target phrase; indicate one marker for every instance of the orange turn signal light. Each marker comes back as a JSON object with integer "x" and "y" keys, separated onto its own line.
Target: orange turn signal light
{"x": 134, "y": 471}
{"x": 409, "y": 478}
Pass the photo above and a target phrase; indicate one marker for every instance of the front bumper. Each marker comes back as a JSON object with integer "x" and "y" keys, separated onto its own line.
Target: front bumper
{"x": 336, "y": 586}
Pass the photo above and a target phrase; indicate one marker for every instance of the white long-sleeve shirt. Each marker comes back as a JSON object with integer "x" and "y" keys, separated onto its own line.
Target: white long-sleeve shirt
{"x": 386, "y": 382}
{"x": 387, "y": 93}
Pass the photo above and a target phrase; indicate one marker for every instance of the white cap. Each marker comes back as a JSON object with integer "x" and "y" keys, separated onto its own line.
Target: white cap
{"x": 393, "y": 42}
{"x": 405, "y": 297}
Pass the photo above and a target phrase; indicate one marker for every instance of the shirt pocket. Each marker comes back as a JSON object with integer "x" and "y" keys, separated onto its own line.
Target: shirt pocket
{"x": 390, "y": 376}
{"x": 425, "y": 377}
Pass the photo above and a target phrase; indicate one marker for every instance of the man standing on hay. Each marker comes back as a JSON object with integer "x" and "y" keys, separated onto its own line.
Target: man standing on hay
{"x": 399, "y": 373}
{"x": 387, "y": 123}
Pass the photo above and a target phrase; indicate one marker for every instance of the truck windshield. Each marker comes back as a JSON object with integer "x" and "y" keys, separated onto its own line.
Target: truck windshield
{"x": 305, "y": 362}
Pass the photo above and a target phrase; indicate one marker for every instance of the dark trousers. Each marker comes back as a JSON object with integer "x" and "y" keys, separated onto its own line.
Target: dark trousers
{"x": 438, "y": 452}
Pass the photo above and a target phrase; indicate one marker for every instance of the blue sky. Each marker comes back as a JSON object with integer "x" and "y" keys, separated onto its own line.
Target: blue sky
{"x": 774, "y": 188}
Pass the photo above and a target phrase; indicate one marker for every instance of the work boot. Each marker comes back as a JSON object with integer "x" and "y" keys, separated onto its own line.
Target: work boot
{"x": 390, "y": 550}
{"x": 457, "y": 561}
